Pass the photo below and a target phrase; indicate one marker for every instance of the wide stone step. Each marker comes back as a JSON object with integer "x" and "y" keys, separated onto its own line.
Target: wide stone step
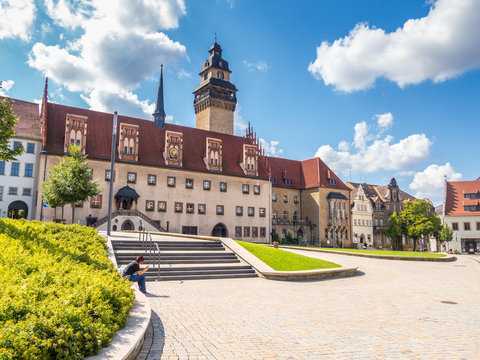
{"x": 181, "y": 261}
{"x": 201, "y": 277}
{"x": 170, "y": 248}
{"x": 168, "y": 243}
{"x": 217, "y": 267}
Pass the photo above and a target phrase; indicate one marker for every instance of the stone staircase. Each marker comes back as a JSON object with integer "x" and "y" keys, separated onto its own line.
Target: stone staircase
{"x": 183, "y": 259}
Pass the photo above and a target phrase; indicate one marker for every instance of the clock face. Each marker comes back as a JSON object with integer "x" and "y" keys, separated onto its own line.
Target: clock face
{"x": 173, "y": 152}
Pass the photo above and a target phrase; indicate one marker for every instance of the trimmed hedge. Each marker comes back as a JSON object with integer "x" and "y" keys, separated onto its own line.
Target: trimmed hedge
{"x": 60, "y": 296}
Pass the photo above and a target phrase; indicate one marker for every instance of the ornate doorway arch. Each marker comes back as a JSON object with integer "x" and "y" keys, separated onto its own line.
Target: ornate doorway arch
{"x": 220, "y": 230}
{"x": 128, "y": 225}
{"x": 17, "y": 210}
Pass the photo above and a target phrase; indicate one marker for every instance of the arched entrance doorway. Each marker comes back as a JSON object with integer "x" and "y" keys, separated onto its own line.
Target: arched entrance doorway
{"x": 220, "y": 230}
{"x": 128, "y": 226}
{"x": 17, "y": 210}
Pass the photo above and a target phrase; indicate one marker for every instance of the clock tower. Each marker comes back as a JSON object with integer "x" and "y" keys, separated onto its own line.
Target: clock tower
{"x": 215, "y": 97}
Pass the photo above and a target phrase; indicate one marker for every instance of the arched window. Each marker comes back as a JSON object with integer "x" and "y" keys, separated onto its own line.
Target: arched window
{"x": 72, "y": 137}
{"x": 132, "y": 146}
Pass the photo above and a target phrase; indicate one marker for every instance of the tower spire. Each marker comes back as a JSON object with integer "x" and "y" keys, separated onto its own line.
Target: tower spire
{"x": 159, "y": 114}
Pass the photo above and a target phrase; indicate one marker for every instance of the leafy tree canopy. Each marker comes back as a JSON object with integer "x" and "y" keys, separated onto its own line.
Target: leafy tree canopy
{"x": 7, "y": 131}
{"x": 70, "y": 181}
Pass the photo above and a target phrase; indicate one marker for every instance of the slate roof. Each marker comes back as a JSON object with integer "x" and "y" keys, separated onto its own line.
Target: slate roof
{"x": 455, "y": 199}
{"x": 379, "y": 192}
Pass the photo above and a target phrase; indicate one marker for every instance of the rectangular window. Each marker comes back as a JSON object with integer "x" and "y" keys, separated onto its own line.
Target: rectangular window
{"x": 15, "y": 168}
{"x": 238, "y": 231}
{"x": 262, "y": 212}
{"x": 245, "y": 188}
{"x": 251, "y": 211}
{"x": 178, "y": 207}
{"x": 274, "y": 197}
{"x": 162, "y": 206}
{"x": 188, "y": 183}
{"x": 256, "y": 189}
{"x": 171, "y": 181}
{"x": 132, "y": 177}
{"x": 108, "y": 175}
{"x": 455, "y": 226}
{"x": 96, "y": 202}
{"x": 1, "y": 193}
{"x": 246, "y": 231}
{"x": 2, "y": 167}
{"x": 190, "y": 208}
{"x": 202, "y": 209}
{"x": 255, "y": 231}
{"x": 27, "y": 192}
{"x": 17, "y": 145}
{"x": 263, "y": 232}
{"x": 149, "y": 205}
{"x": 189, "y": 230}
{"x": 12, "y": 190}
{"x": 220, "y": 210}
{"x": 466, "y": 226}
{"x": 295, "y": 199}
{"x": 28, "y": 170}
{"x": 30, "y": 148}
{"x": 152, "y": 179}
{"x": 207, "y": 184}
{"x": 223, "y": 186}
{"x": 239, "y": 210}
{"x": 285, "y": 198}
{"x": 478, "y": 226}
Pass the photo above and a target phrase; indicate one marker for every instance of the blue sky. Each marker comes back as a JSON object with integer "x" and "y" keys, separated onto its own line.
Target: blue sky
{"x": 393, "y": 90}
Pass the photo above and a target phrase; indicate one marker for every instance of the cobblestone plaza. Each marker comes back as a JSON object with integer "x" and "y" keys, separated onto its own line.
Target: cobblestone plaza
{"x": 395, "y": 310}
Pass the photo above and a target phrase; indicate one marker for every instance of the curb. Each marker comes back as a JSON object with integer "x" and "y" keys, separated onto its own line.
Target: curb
{"x": 447, "y": 258}
{"x": 127, "y": 342}
{"x": 268, "y": 273}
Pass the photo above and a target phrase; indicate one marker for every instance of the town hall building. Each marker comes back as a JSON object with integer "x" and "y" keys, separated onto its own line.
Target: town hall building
{"x": 203, "y": 180}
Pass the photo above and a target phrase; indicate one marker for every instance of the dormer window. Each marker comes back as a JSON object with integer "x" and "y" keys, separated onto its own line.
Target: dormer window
{"x": 173, "y": 153}
{"x": 249, "y": 164}
{"x": 75, "y": 132}
{"x": 214, "y": 154}
{"x": 128, "y": 142}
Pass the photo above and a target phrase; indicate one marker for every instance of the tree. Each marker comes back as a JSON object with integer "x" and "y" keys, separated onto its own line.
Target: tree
{"x": 8, "y": 120}
{"x": 419, "y": 220}
{"x": 445, "y": 234}
{"x": 70, "y": 181}
{"x": 395, "y": 231}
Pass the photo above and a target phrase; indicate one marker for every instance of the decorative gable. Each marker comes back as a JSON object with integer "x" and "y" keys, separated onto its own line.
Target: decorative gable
{"x": 75, "y": 132}
{"x": 173, "y": 153}
{"x": 249, "y": 163}
{"x": 214, "y": 154}
{"x": 128, "y": 142}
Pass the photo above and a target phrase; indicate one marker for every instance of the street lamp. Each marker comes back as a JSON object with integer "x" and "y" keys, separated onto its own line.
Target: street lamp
{"x": 112, "y": 171}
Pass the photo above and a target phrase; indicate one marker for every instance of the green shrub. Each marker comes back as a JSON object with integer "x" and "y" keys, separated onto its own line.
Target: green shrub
{"x": 60, "y": 296}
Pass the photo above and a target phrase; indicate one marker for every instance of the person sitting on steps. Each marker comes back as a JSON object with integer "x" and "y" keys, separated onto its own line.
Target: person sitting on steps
{"x": 134, "y": 272}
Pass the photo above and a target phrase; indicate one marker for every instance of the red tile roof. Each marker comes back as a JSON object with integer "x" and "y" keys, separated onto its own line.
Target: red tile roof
{"x": 455, "y": 199}
{"x": 28, "y": 114}
{"x": 286, "y": 173}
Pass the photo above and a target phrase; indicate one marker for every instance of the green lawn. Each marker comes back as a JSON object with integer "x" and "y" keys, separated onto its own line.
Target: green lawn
{"x": 389, "y": 252}
{"x": 282, "y": 260}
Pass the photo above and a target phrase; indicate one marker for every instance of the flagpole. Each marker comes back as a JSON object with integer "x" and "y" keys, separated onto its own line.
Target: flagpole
{"x": 112, "y": 172}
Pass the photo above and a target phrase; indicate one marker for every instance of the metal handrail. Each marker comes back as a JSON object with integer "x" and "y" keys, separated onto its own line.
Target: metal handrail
{"x": 151, "y": 247}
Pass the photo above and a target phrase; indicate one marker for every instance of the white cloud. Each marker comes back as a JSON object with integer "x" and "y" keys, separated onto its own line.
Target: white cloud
{"x": 430, "y": 182}
{"x": 271, "y": 147}
{"x": 109, "y": 59}
{"x": 5, "y": 86}
{"x": 437, "y": 47}
{"x": 16, "y": 18}
{"x": 260, "y": 66}
{"x": 384, "y": 121}
{"x": 375, "y": 152}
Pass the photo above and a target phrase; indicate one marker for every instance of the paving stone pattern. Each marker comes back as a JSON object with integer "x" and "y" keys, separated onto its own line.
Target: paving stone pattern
{"x": 396, "y": 310}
